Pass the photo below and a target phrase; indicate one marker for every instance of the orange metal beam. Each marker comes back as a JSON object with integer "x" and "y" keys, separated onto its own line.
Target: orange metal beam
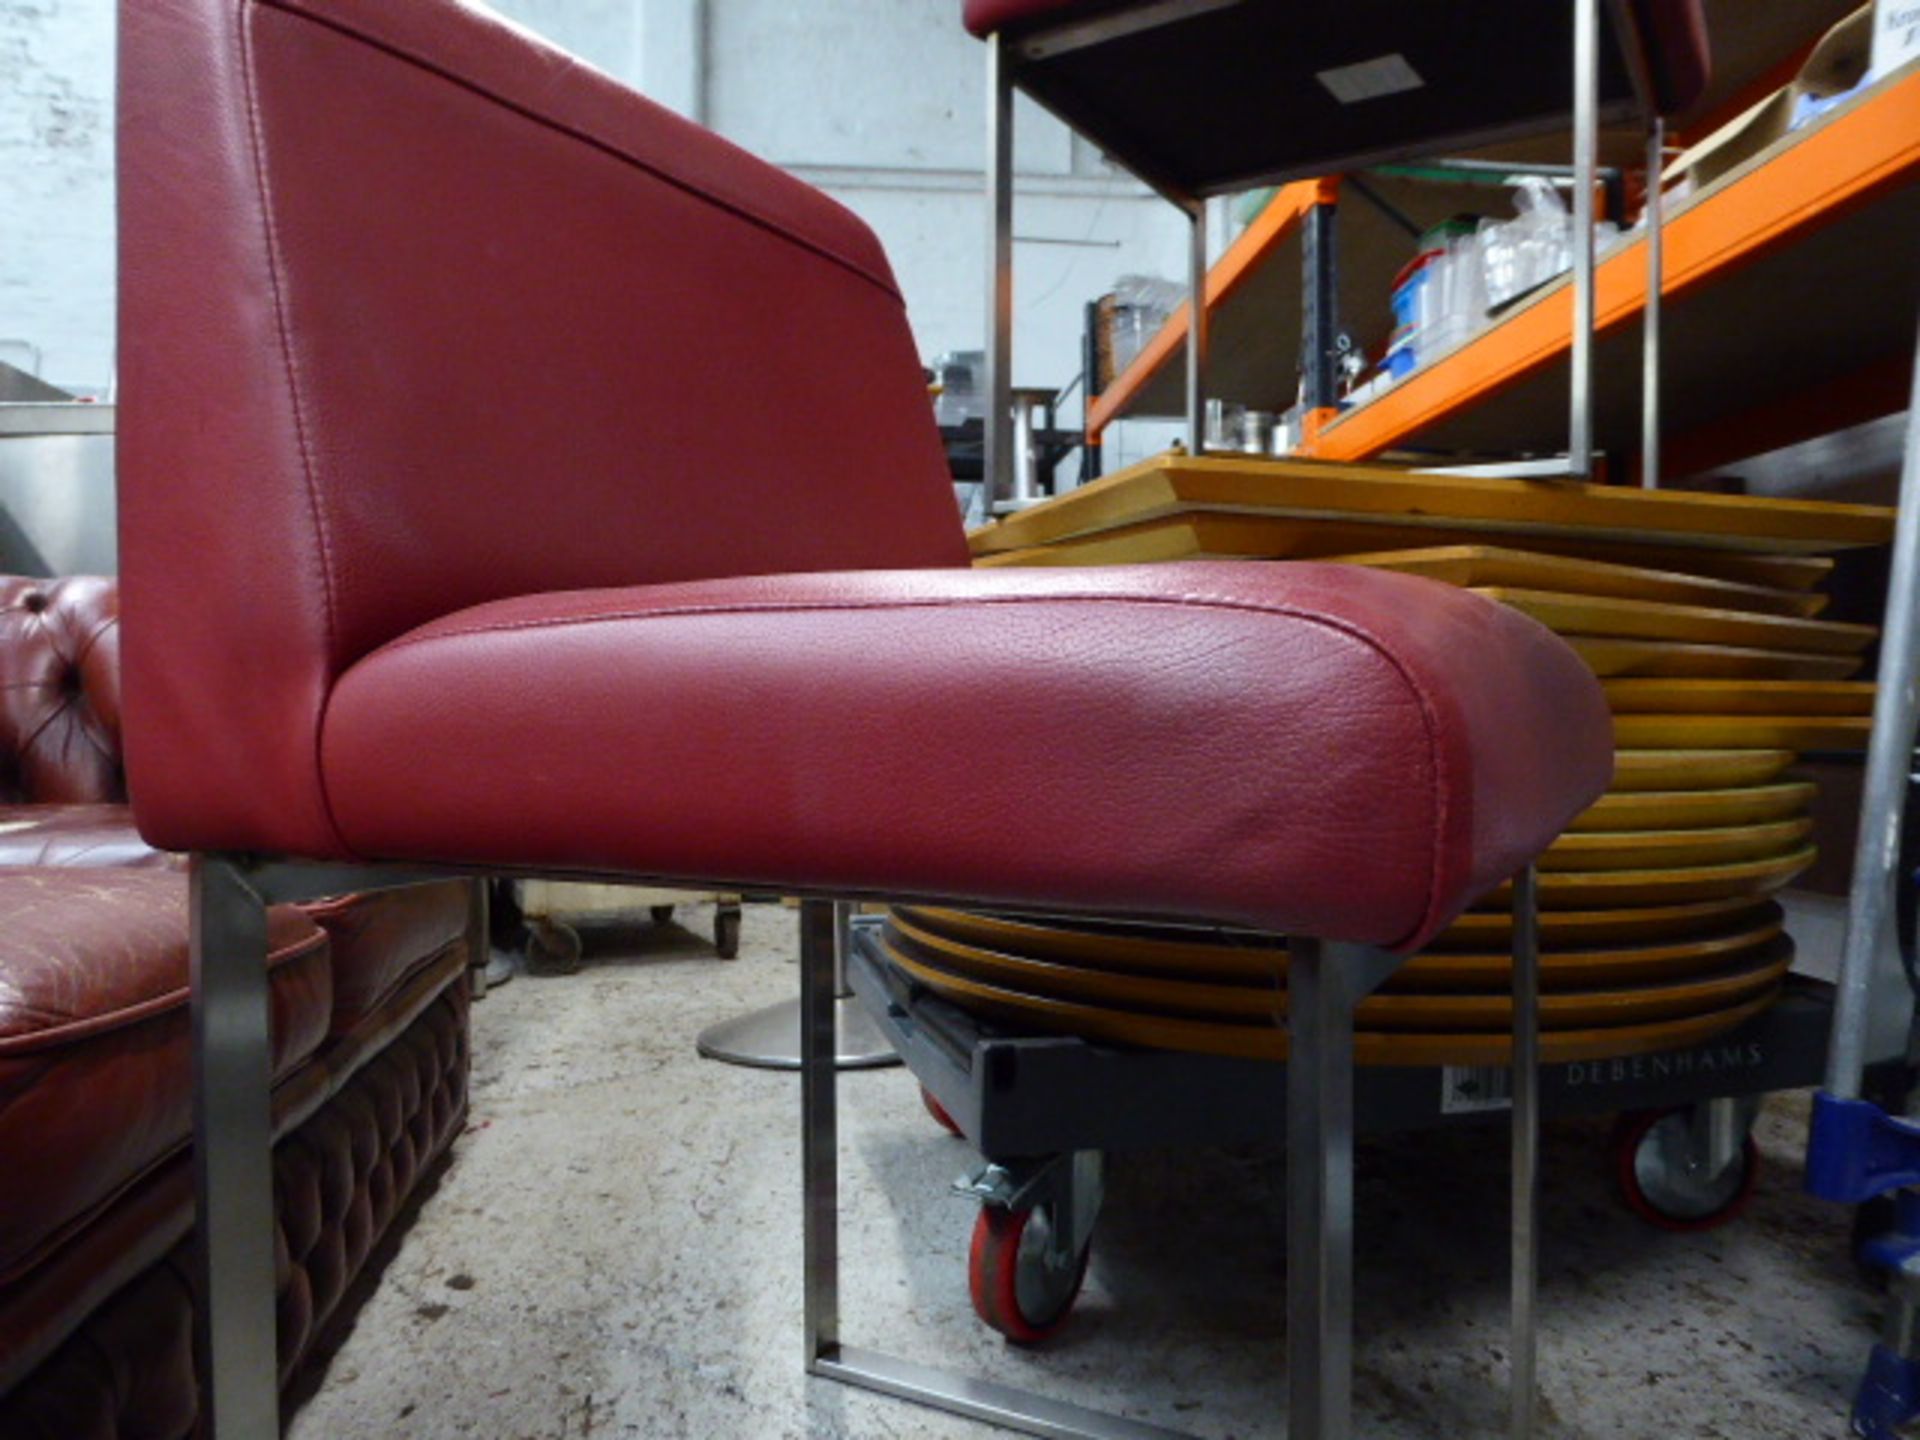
{"x": 1857, "y": 155}
{"x": 1271, "y": 226}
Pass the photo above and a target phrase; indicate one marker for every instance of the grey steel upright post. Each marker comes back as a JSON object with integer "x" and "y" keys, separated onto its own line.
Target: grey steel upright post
{"x": 1320, "y": 312}
{"x": 1650, "y": 317}
{"x": 1889, "y": 754}
{"x": 1197, "y": 326}
{"x": 234, "y": 1325}
{"x": 1523, "y": 1378}
{"x": 1586, "y": 140}
{"x": 996, "y": 468}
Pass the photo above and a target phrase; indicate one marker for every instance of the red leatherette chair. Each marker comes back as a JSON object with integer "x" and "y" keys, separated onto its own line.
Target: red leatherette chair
{"x": 518, "y": 478}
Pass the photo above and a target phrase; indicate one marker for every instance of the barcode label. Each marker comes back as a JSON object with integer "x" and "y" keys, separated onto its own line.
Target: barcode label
{"x": 1466, "y": 1089}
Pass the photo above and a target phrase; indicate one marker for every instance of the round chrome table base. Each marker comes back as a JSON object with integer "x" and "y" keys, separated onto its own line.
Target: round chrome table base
{"x": 769, "y": 1039}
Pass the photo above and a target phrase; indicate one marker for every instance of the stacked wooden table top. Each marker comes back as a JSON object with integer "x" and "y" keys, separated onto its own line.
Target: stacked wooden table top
{"x": 1702, "y": 614}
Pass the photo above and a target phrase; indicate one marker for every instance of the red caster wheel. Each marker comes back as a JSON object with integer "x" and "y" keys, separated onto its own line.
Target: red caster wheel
{"x": 1664, "y": 1186}
{"x": 1019, "y": 1286}
{"x": 939, "y": 1112}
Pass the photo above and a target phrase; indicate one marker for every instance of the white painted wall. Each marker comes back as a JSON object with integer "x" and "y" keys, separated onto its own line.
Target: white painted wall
{"x": 880, "y": 102}
{"x": 56, "y": 188}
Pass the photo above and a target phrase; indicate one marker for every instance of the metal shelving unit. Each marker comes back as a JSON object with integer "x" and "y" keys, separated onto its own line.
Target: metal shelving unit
{"x": 1788, "y": 289}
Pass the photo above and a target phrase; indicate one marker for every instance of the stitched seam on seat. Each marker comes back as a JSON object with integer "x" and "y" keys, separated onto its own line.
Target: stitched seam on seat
{"x": 690, "y": 187}
{"x": 1201, "y": 601}
{"x": 256, "y": 129}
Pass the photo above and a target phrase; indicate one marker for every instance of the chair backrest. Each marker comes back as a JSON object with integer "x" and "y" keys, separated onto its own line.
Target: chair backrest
{"x": 418, "y": 312}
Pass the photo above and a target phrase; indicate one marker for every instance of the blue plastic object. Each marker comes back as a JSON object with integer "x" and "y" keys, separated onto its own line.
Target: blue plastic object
{"x": 1892, "y": 1250}
{"x": 1857, "y": 1151}
{"x": 1889, "y": 1397}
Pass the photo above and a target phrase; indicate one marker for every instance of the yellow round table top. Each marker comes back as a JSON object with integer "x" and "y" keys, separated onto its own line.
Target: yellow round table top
{"x": 1731, "y": 979}
{"x": 1596, "y": 965}
{"x": 1269, "y": 1041}
{"x": 1740, "y": 697}
{"x": 1574, "y": 928}
{"x": 1690, "y": 809}
{"x": 1698, "y": 942}
{"x": 1613, "y": 658}
{"x": 1738, "y": 732}
{"x": 1635, "y": 770}
{"x": 1671, "y": 849}
{"x": 1597, "y": 889}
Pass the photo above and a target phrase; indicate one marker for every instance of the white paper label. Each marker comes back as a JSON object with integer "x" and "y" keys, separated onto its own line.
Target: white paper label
{"x": 1470, "y": 1089}
{"x": 1370, "y": 79}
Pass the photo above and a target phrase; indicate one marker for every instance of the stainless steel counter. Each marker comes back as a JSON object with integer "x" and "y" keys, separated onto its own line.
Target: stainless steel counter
{"x": 56, "y": 489}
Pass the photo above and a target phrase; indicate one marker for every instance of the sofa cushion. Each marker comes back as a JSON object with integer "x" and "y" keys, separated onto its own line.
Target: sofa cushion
{"x": 60, "y": 691}
{"x": 378, "y": 940}
{"x": 83, "y": 1352}
{"x": 95, "y": 1082}
{"x": 76, "y": 835}
{"x": 381, "y": 939}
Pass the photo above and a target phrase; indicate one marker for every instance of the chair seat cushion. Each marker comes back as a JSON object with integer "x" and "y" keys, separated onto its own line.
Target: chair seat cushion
{"x": 1315, "y": 748}
{"x": 96, "y": 1081}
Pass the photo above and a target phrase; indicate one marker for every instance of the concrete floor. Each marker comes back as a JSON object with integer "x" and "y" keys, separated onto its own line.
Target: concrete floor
{"x": 615, "y": 1251}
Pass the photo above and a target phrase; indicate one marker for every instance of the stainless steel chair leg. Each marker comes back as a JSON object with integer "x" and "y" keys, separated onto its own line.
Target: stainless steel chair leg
{"x": 1319, "y": 1198}
{"x": 1324, "y": 984}
{"x": 1526, "y": 1152}
{"x": 233, "y": 1154}
{"x": 819, "y": 1146}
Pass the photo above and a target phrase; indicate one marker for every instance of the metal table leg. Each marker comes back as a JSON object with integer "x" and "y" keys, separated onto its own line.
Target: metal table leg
{"x": 771, "y": 1038}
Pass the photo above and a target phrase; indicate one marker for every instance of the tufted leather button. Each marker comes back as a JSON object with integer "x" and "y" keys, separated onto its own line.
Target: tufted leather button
{"x": 60, "y": 691}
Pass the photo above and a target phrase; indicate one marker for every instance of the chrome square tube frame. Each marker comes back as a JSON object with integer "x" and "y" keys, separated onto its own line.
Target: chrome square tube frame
{"x": 1326, "y": 982}
{"x": 235, "y": 1327}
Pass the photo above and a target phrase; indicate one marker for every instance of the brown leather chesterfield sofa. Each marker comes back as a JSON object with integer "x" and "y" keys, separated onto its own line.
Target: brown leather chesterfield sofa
{"x": 96, "y": 1185}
